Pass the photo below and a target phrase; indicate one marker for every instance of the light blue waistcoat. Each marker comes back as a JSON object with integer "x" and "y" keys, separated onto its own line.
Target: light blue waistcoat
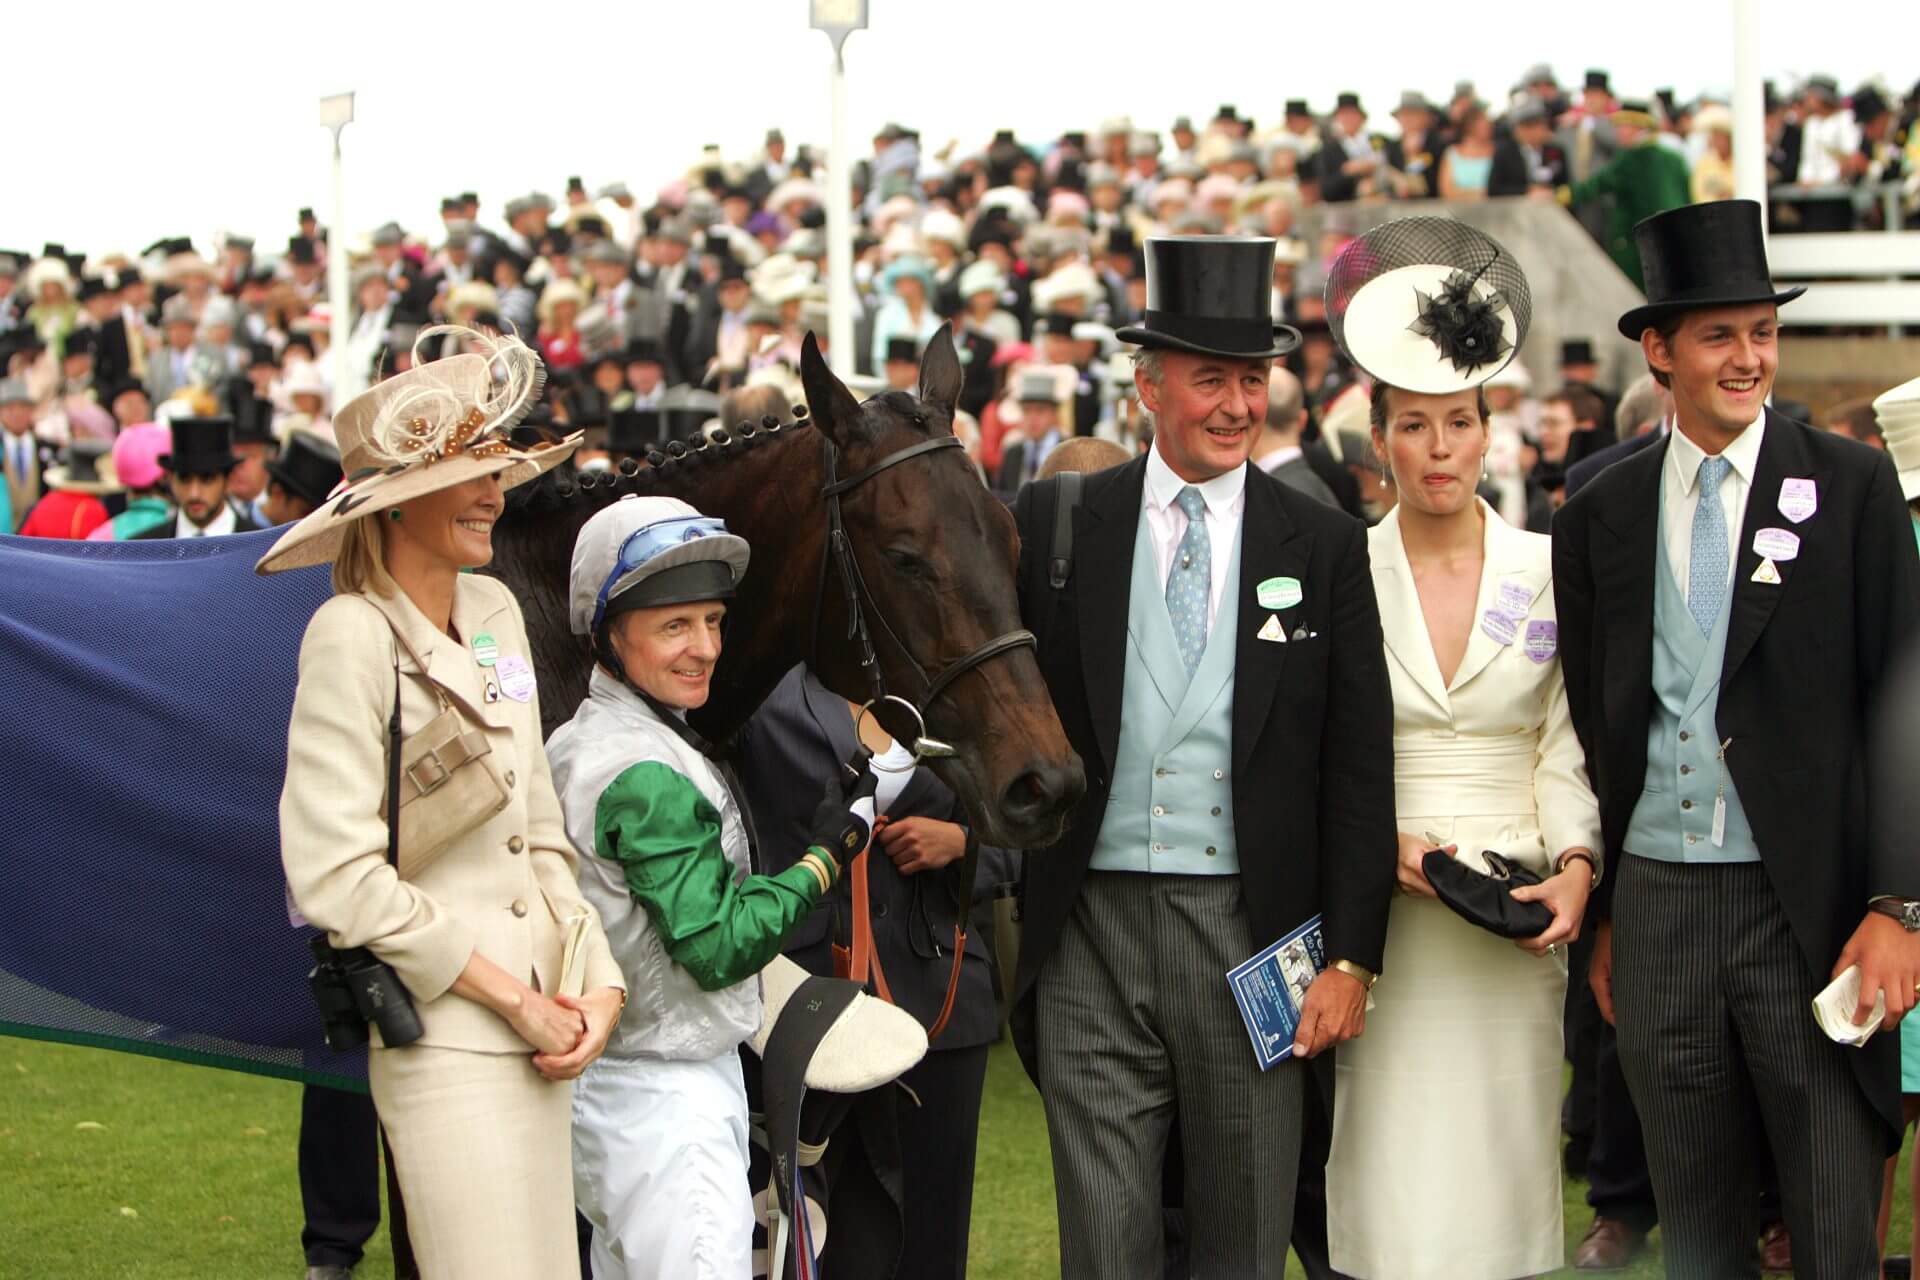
{"x": 1673, "y": 820}
{"x": 1171, "y": 805}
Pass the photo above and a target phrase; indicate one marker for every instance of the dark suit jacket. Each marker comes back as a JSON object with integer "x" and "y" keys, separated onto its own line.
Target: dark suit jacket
{"x": 1594, "y": 463}
{"x": 794, "y": 743}
{"x": 1335, "y": 186}
{"x": 1804, "y": 663}
{"x": 1513, "y": 176}
{"x": 1312, "y": 718}
{"x": 241, "y": 524}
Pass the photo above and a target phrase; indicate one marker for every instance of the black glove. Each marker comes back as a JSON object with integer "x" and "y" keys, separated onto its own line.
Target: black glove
{"x": 836, "y": 828}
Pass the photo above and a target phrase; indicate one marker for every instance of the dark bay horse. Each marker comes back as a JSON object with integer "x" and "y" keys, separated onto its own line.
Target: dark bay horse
{"x": 934, "y": 550}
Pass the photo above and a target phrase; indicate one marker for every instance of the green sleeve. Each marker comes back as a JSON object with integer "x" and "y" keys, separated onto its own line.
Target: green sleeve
{"x": 1604, "y": 181}
{"x": 665, "y": 835}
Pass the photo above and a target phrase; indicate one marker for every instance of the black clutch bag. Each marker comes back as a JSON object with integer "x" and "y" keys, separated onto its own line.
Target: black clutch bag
{"x": 1487, "y": 899}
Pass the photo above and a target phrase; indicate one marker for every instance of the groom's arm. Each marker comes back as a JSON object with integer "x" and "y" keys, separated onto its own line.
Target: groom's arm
{"x": 1357, "y": 842}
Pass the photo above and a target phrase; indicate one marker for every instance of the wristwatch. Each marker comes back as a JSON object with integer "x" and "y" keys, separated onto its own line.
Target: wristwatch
{"x": 1905, "y": 910}
{"x": 1364, "y": 975}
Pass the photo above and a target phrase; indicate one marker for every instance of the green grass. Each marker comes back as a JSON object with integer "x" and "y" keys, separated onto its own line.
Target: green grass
{"x": 190, "y": 1174}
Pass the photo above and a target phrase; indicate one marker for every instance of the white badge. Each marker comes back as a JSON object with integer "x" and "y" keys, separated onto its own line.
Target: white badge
{"x": 1272, "y": 630}
{"x": 1501, "y": 626}
{"x": 516, "y": 678}
{"x": 1798, "y": 499}
{"x": 1777, "y": 544}
{"x": 1514, "y": 597}
{"x": 1767, "y": 573}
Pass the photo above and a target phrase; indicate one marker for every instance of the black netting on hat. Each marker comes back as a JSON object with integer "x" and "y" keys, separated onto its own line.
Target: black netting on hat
{"x": 1460, "y": 317}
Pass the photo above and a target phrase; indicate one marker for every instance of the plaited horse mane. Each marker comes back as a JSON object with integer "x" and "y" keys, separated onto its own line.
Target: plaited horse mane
{"x": 936, "y": 551}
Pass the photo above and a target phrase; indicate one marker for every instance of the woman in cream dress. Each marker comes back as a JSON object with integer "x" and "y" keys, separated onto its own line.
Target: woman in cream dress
{"x": 1445, "y": 1157}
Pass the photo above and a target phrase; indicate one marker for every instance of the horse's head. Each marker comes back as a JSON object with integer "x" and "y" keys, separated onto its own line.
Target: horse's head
{"x": 937, "y": 553}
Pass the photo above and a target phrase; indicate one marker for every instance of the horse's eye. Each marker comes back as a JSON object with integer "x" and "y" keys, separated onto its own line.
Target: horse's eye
{"x": 920, "y": 420}
{"x": 906, "y": 562}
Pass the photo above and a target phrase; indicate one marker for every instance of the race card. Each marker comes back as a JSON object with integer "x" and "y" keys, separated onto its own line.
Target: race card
{"x": 1271, "y": 987}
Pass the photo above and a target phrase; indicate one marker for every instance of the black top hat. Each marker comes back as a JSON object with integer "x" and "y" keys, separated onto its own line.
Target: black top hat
{"x": 903, "y": 349}
{"x": 308, "y": 468}
{"x": 1597, "y": 79}
{"x": 82, "y": 342}
{"x": 1211, "y": 295}
{"x": 1349, "y": 100}
{"x": 252, "y": 419}
{"x": 305, "y": 214}
{"x": 201, "y": 447}
{"x": 1868, "y": 105}
{"x": 92, "y": 287}
{"x": 259, "y": 353}
{"x": 468, "y": 197}
{"x": 1120, "y": 239}
{"x": 1702, "y": 255}
{"x": 635, "y": 431}
{"x": 1297, "y": 107}
{"x": 644, "y": 351}
{"x": 1057, "y": 322}
{"x": 1576, "y": 351}
{"x": 300, "y": 249}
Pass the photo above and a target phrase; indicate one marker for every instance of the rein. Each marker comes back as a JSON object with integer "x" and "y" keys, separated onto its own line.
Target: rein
{"x": 838, "y": 553}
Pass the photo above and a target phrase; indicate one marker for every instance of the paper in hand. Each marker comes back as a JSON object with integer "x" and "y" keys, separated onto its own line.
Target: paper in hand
{"x": 573, "y": 973}
{"x": 1833, "y": 1009}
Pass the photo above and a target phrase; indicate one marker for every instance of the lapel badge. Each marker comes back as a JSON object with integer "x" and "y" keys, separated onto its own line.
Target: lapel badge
{"x": 1767, "y": 573}
{"x": 1272, "y": 630}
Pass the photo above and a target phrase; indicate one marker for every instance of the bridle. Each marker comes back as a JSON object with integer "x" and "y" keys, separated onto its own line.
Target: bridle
{"x": 859, "y": 600}
{"x": 863, "y": 962}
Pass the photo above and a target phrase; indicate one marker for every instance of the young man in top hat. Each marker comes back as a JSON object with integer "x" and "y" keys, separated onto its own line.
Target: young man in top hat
{"x": 197, "y": 472}
{"x": 1215, "y": 654}
{"x": 300, "y": 478}
{"x": 1729, "y": 601}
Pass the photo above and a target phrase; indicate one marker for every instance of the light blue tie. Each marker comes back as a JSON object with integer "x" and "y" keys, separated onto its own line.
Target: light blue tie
{"x": 1707, "y": 557}
{"x": 1190, "y": 581}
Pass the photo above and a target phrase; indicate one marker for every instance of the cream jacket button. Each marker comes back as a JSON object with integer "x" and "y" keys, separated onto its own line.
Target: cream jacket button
{"x": 516, "y": 844}
{"x": 510, "y": 783}
{"x": 519, "y": 907}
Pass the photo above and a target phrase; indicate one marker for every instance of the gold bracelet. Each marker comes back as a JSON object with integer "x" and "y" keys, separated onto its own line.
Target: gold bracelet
{"x": 1366, "y": 976}
{"x": 811, "y": 860}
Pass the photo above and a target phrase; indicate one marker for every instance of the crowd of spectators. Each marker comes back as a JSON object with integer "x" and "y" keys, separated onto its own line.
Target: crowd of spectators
{"x": 650, "y": 308}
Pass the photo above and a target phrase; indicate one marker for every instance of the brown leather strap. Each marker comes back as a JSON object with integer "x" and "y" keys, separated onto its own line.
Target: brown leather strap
{"x": 436, "y": 764}
{"x": 953, "y": 985}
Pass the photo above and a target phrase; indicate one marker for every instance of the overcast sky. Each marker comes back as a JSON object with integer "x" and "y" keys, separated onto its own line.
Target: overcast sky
{"x": 208, "y": 122}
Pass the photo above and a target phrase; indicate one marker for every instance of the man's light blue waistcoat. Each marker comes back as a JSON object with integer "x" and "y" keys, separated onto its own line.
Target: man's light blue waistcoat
{"x": 1673, "y": 820}
{"x": 1171, "y": 805}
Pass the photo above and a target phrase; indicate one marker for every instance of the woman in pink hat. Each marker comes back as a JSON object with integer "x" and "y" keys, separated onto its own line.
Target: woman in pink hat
{"x": 136, "y": 462}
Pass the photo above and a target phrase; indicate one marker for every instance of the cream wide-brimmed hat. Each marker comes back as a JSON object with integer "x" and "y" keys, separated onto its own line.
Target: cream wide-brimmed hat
{"x": 437, "y": 425}
{"x": 1898, "y": 413}
{"x": 1429, "y": 305}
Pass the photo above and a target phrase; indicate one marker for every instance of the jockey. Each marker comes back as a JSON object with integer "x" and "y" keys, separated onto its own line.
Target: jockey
{"x": 660, "y": 1136}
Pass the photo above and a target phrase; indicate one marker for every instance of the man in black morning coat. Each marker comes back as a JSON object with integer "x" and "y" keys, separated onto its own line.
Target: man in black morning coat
{"x": 1742, "y": 873}
{"x": 1124, "y": 1013}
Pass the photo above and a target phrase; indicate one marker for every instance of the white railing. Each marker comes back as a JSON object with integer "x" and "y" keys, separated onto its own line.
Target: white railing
{"x": 1855, "y": 277}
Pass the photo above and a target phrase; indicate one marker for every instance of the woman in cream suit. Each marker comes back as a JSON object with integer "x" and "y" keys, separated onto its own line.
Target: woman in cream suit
{"x": 1445, "y": 1158}
{"x": 475, "y": 917}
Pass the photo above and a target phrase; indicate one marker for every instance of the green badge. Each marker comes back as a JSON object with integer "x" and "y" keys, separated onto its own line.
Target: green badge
{"x": 485, "y": 651}
{"x": 1278, "y": 593}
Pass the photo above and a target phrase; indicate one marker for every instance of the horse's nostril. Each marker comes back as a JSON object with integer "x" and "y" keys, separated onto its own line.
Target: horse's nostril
{"x": 1043, "y": 789}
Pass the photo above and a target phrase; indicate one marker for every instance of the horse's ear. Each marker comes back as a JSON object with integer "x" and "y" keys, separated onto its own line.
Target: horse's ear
{"x": 829, "y": 403}
{"x": 940, "y": 372}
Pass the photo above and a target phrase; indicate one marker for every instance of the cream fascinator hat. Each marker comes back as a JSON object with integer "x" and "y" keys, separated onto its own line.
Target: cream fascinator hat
{"x": 437, "y": 425}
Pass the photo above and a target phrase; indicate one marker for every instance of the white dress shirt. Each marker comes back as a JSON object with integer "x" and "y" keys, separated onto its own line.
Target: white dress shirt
{"x": 1680, "y": 494}
{"x": 221, "y": 524}
{"x": 1226, "y": 498}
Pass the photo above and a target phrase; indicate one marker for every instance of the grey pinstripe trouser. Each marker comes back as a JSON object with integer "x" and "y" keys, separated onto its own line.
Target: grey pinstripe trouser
{"x": 1135, "y": 1025}
{"x": 1717, "y": 1039}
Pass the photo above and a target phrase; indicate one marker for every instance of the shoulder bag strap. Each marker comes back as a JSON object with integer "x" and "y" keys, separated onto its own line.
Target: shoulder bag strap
{"x": 393, "y": 767}
{"x": 1060, "y": 557}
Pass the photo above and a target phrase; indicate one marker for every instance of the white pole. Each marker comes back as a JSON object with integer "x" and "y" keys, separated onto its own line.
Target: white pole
{"x": 840, "y": 353}
{"x": 337, "y": 270}
{"x": 1749, "y": 110}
